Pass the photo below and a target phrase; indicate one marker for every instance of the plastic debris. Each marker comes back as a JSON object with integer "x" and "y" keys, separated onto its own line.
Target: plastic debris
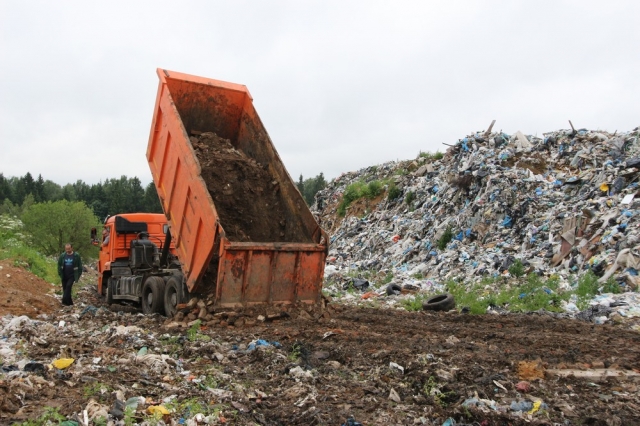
{"x": 563, "y": 204}
{"x": 62, "y": 363}
{"x": 157, "y": 409}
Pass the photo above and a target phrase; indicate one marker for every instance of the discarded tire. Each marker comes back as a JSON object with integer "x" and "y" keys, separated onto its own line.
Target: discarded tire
{"x": 442, "y": 302}
{"x": 393, "y": 289}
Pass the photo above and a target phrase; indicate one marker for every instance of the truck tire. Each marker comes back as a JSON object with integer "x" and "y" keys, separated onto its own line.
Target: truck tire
{"x": 173, "y": 296}
{"x": 111, "y": 284}
{"x": 442, "y": 302}
{"x": 153, "y": 296}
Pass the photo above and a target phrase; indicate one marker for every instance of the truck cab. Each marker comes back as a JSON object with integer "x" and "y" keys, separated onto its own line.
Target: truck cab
{"x": 131, "y": 248}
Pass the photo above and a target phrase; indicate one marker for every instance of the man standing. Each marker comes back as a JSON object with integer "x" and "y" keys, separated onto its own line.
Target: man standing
{"x": 69, "y": 269}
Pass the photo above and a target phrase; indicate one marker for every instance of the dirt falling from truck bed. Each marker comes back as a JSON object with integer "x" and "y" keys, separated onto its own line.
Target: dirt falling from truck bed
{"x": 246, "y": 195}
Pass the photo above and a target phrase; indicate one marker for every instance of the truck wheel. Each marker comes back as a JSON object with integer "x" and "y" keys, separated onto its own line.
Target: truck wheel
{"x": 173, "y": 296}
{"x": 443, "y": 302}
{"x": 153, "y": 295}
{"x": 111, "y": 286}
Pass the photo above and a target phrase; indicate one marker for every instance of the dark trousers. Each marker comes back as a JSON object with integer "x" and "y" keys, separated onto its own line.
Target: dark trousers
{"x": 67, "y": 283}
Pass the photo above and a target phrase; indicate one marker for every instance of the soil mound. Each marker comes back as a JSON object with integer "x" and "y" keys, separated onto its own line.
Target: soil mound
{"x": 23, "y": 293}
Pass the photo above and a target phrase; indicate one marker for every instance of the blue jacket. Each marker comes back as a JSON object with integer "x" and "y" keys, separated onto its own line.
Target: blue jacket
{"x": 77, "y": 266}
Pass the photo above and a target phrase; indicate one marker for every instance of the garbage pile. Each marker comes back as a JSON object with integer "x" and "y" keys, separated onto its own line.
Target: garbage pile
{"x": 561, "y": 204}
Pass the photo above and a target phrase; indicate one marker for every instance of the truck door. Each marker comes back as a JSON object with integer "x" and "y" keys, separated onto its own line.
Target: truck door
{"x": 104, "y": 258}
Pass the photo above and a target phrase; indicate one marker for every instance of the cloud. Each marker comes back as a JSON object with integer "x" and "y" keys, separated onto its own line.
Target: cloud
{"x": 338, "y": 85}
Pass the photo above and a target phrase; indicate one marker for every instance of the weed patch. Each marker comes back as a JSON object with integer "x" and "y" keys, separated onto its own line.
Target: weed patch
{"x": 51, "y": 416}
{"x": 431, "y": 156}
{"x": 393, "y": 192}
{"x": 445, "y": 238}
{"x": 414, "y": 303}
{"x": 358, "y": 190}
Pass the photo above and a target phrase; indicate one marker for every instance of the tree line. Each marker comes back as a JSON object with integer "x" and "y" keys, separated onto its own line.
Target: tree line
{"x": 309, "y": 187}
{"x": 54, "y": 215}
{"x": 122, "y": 195}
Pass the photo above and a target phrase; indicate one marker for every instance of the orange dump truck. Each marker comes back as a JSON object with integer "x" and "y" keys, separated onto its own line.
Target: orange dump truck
{"x": 234, "y": 226}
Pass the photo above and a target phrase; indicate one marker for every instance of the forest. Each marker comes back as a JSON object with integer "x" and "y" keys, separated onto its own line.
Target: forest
{"x": 121, "y": 195}
{"x": 55, "y": 214}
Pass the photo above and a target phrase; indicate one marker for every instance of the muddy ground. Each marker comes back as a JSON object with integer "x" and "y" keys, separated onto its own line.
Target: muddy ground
{"x": 320, "y": 367}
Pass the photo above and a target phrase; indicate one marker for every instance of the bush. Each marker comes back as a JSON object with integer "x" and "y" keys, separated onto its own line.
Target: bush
{"x": 517, "y": 268}
{"x": 431, "y": 156}
{"x": 611, "y": 286}
{"x": 54, "y": 224}
{"x": 409, "y": 197}
{"x": 393, "y": 192}
{"x": 358, "y": 190}
{"x": 445, "y": 238}
{"x": 587, "y": 285}
{"x": 373, "y": 189}
{"x": 14, "y": 245}
{"x": 351, "y": 193}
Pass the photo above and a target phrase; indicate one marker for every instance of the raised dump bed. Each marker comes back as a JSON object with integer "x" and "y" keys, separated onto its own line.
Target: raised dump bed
{"x": 241, "y": 228}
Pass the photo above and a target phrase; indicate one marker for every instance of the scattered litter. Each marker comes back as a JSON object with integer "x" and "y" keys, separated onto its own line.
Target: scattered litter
{"x": 62, "y": 363}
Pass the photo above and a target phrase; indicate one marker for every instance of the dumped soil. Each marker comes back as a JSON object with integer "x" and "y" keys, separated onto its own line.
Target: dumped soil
{"x": 536, "y": 163}
{"x": 319, "y": 367}
{"x": 247, "y": 197}
{"x": 22, "y": 293}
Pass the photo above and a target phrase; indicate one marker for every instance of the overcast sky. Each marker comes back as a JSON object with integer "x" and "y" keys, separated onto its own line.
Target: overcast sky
{"x": 339, "y": 85}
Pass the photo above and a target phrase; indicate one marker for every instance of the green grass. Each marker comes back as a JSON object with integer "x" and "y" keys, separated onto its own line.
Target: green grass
{"x": 408, "y": 199}
{"x": 51, "y": 416}
{"x": 587, "y": 285}
{"x": 414, "y": 303}
{"x": 96, "y": 389}
{"x": 189, "y": 407}
{"x": 529, "y": 295}
{"x": 611, "y": 286}
{"x": 445, "y": 238}
{"x": 14, "y": 244}
{"x": 100, "y": 421}
{"x": 393, "y": 192}
{"x": 532, "y": 295}
{"x": 474, "y": 298}
{"x": 433, "y": 389}
{"x": 387, "y": 278}
{"x": 129, "y": 416}
{"x": 517, "y": 268}
{"x": 431, "y": 156}
{"x": 356, "y": 191}
{"x": 295, "y": 352}
{"x": 193, "y": 333}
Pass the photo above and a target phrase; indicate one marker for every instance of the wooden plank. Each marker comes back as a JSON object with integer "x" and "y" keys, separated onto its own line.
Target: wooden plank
{"x": 488, "y": 132}
{"x": 595, "y": 374}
